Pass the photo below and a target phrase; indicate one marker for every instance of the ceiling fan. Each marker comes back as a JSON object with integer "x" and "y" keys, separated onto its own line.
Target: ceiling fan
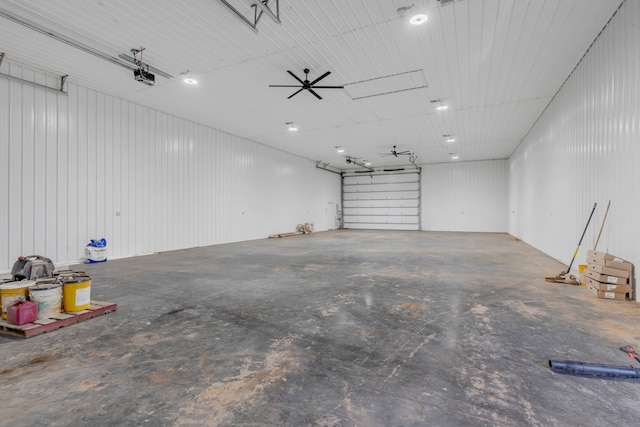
{"x": 310, "y": 86}
{"x": 395, "y": 153}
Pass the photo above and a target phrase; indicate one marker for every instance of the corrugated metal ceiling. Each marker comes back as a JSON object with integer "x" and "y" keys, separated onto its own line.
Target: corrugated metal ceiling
{"x": 495, "y": 63}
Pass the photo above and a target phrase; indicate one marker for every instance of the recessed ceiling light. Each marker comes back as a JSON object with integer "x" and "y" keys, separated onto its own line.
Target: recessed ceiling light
{"x": 454, "y": 157}
{"x": 340, "y": 150}
{"x": 292, "y": 126}
{"x": 441, "y": 105}
{"x": 451, "y": 140}
{"x": 418, "y": 19}
{"x": 190, "y": 81}
{"x": 367, "y": 163}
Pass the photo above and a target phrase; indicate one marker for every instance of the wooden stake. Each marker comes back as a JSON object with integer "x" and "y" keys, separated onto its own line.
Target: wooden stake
{"x": 602, "y": 226}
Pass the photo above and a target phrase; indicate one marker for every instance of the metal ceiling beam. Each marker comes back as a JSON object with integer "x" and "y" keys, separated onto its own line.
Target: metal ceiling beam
{"x": 240, "y": 16}
{"x": 262, "y": 4}
{"x": 57, "y": 36}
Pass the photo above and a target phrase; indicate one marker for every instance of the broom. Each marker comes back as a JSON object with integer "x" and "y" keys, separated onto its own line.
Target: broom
{"x": 571, "y": 279}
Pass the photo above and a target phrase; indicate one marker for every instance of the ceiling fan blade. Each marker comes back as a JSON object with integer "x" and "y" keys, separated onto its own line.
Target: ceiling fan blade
{"x": 295, "y": 77}
{"x": 328, "y": 87}
{"x": 317, "y": 96}
{"x": 284, "y": 85}
{"x": 320, "y": 78}
{"x": 295, "y": 93}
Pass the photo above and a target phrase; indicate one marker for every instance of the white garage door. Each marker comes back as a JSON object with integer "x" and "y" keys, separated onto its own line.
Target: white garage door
{"x": 381, "y": 200}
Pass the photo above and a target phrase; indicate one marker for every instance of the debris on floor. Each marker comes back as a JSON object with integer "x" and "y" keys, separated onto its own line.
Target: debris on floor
{"x": 306, "y": 228}
{"x": 280, "y": 235}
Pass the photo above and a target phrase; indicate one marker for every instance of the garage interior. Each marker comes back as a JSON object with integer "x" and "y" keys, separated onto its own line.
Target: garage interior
{"x": 446, "y": 168}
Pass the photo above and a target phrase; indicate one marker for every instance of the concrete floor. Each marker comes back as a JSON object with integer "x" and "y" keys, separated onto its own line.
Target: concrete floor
{"x": 341, "y": 328}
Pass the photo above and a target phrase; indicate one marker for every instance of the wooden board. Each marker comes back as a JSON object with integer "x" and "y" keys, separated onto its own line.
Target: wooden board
{"x": 274, "y": 236}
{"x": 96, "y": 308}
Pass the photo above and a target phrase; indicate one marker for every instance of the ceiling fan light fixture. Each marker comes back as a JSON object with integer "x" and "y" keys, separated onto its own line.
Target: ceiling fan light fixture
{"x": 418, "y": 19}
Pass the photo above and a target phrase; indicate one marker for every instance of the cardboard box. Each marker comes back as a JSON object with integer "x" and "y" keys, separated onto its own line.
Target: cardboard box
{"x": 607, "y": 295}
{"x": 605, "y": 278}
{"x": 600, "y": 255}
{"x": 607, "y": 287}
{"x": 618, "y": 264}
{"x": 609, "y": 271}
{"x": 608, "y": 260}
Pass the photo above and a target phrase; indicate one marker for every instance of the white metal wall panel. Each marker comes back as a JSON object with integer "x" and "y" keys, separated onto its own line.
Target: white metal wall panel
{"x": 584, "y": 150}
{"x": 86, "y": 165}
{"x": 382, "y": 201}
{"x": 466, "y": 196}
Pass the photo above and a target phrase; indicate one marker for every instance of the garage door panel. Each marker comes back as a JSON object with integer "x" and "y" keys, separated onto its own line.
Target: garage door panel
{"x": 364, "y": 226}
{"x": 390, "y": 195}
{"x": 389, "y": 201}
{"x": 404, "y": 203}
{"x": 380, "y": 196}
{"x": 379, "y": 179}
{"x": 381, "y": 219}
{"x": 369, "y": 188}
{"x": 384, "y": 211}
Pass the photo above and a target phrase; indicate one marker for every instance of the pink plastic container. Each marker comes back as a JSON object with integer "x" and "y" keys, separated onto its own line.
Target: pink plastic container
{"x": 21, "y": 312}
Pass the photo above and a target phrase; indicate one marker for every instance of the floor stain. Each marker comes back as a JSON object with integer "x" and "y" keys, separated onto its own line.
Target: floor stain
{"x": 528, "y": 311}
{"x": 218, "y": 402}
{"x": 479, "y": 309}
{"x": 413, "y": 306}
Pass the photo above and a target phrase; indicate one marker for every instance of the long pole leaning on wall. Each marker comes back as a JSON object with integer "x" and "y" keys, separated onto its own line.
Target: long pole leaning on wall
{"x": 63, "y": 79}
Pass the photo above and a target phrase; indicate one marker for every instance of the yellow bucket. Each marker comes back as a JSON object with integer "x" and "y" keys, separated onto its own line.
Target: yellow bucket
{"x": 14, "y": 291}
{"x": 76, "y": 293}
{"x": 581, "y": 269}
